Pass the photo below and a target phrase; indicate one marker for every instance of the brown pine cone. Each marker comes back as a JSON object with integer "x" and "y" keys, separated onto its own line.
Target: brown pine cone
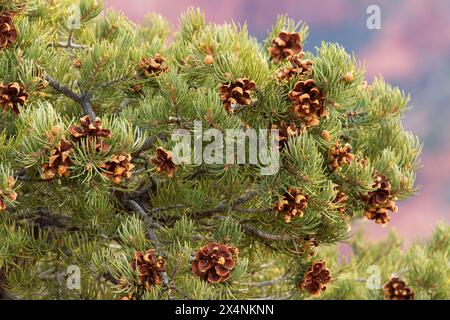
{"x": 316, "y": 278}
{"x": 292, "y": 204}
{"x": 93, "y": 131}
{"x": 8, "y": 194}
{"x": 284, "y": 132}
{"x": 308, "y": 103}
{"x": 214, "y": 262}
{"x": 59, "y": 162}
{"x": 340, "y": 199}
{"x": 118, "y": 168}
{"x": 11, "y": 96}
{"x": 149, "y": 267}
{"x": 339, "y": 155}
{"x": 164, "y": 162}
{"x": 380, "y": 201}
{"x": 299, "y": 67}
{"x": 8, "y": 32}
{"x": 237, "y": 93}
{"x": 382, "y": 192}
{"x": 153, "y": 66}
{"x": 285, "y": 45}
{"x": 396, "y": 289}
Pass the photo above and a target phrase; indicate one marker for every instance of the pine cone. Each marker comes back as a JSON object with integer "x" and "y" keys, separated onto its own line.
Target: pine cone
{"x": 93, "y": 131}
{"x": 118, "y": 168}
{"x": 149, "y": 268}
{"x": 299, "y": 67}
{"x": 284, "y": 132}
{"x": 8, "y": 32}
{"x": 339, "y": 155}
{"x": 164, "y": 162}
{"x": 308, "y": 103}
{"x": 237, "y": 93}
{"x": 380, "y": 201}
{"x": 340, "y": 199}
{"x": 153, "y": 66}
{"x": 214, "y": 262}
{"x": 316, "y": 278}
{"x": 396, "y": 289}
{"x": 8, "y": 195}
{"x": 285, "y": 45}
{"x": 59, "y": 162}
{"x": 292, "y": 204}
{"x": 11, "y": 96}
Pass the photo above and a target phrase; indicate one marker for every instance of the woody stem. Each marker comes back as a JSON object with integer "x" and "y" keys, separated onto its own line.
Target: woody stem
{"x": 83, "y": 99}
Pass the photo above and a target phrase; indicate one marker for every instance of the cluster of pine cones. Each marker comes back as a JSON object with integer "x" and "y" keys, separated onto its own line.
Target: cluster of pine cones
{"x": 119, "y": 167}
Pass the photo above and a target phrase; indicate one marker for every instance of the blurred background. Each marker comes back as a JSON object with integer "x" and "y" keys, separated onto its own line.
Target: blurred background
{"x": 411, "y": 50}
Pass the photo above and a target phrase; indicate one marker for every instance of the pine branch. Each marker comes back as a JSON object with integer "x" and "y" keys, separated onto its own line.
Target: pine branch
{"x": 267, "y": 236}
{"x": 83, "y": 99}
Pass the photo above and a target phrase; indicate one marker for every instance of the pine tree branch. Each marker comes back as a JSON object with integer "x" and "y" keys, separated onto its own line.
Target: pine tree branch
{"x": 267, "y": 283}
{"x": 267, "y": 236}
{"x": 83, "y": 99}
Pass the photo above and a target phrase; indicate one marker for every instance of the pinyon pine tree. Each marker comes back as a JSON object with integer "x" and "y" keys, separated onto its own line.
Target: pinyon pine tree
{"x": 94, "y": 204}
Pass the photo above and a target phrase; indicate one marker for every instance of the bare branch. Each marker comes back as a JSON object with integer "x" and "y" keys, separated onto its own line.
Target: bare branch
{"x": 84, "y": 100}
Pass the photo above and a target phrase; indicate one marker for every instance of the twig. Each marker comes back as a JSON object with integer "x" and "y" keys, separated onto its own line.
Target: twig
{"x": 273, "y": 237}
{"x": 267, "y": 283}
{"x": 83, "y": 99}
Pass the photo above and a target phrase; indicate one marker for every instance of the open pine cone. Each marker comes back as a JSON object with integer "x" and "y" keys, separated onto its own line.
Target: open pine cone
{"x": 316, "y": 278}
{"x": 59, "y": 162}
{"x": 237, "y": 93}
{"x": 164, "y": 162}
{"x": 380, "y": 201}
{"x": 339, "y": 155}
{"x": 285, "y": 45}
{"x": 149, "y": 267}
{"x": 300, "y": 67}
{"x": 292, "y": 204}
{"x": 153, "y": 66}
{"x": 284, "y": 132}
{"x": 118, "y": 168}
{"x": 8, "y": 194}
{"x": 8, "y": 32}
{"x": 214, "y": 262}
{"x": 307, "y": 103}
{"x": 91, "y": 130}
{"x": 11, "y": 96}
{"x": 396, "y": 289}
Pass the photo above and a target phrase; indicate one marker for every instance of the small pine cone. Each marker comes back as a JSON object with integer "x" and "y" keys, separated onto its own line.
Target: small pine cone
{"x": 214, "y": 262}
{"x": 284, "y": 132}
{"x": 299, "y": 67}
{"x": 8, "y": 32}
{"x": 164, "y": 162}
{"x": 340, "y": 199}
{"x": 153, "y": 66}
{"x": 382, "y": 191}
{"x": 285, "y": 45}
{"x": 7, "y": 194}
{"x": 149, "y": 267}
{"x": 59, "y": 162}
{"x": 339, "y": 155}
{"x": 316, "y": 278}
{"x": 237, "y": 93}
{"x": 11, "y": 96}
{"x": 396, "y": 289}
{"x": 118, "y": 168}
{"x": 308, "y": 103}
{"x": 93, "y": 131}
{"x": 292, "y": 204}
{"x": 380, "y": 201}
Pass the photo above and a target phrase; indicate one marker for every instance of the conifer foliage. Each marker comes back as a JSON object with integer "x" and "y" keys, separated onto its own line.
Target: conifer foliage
{"x": 89, "y": 181}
